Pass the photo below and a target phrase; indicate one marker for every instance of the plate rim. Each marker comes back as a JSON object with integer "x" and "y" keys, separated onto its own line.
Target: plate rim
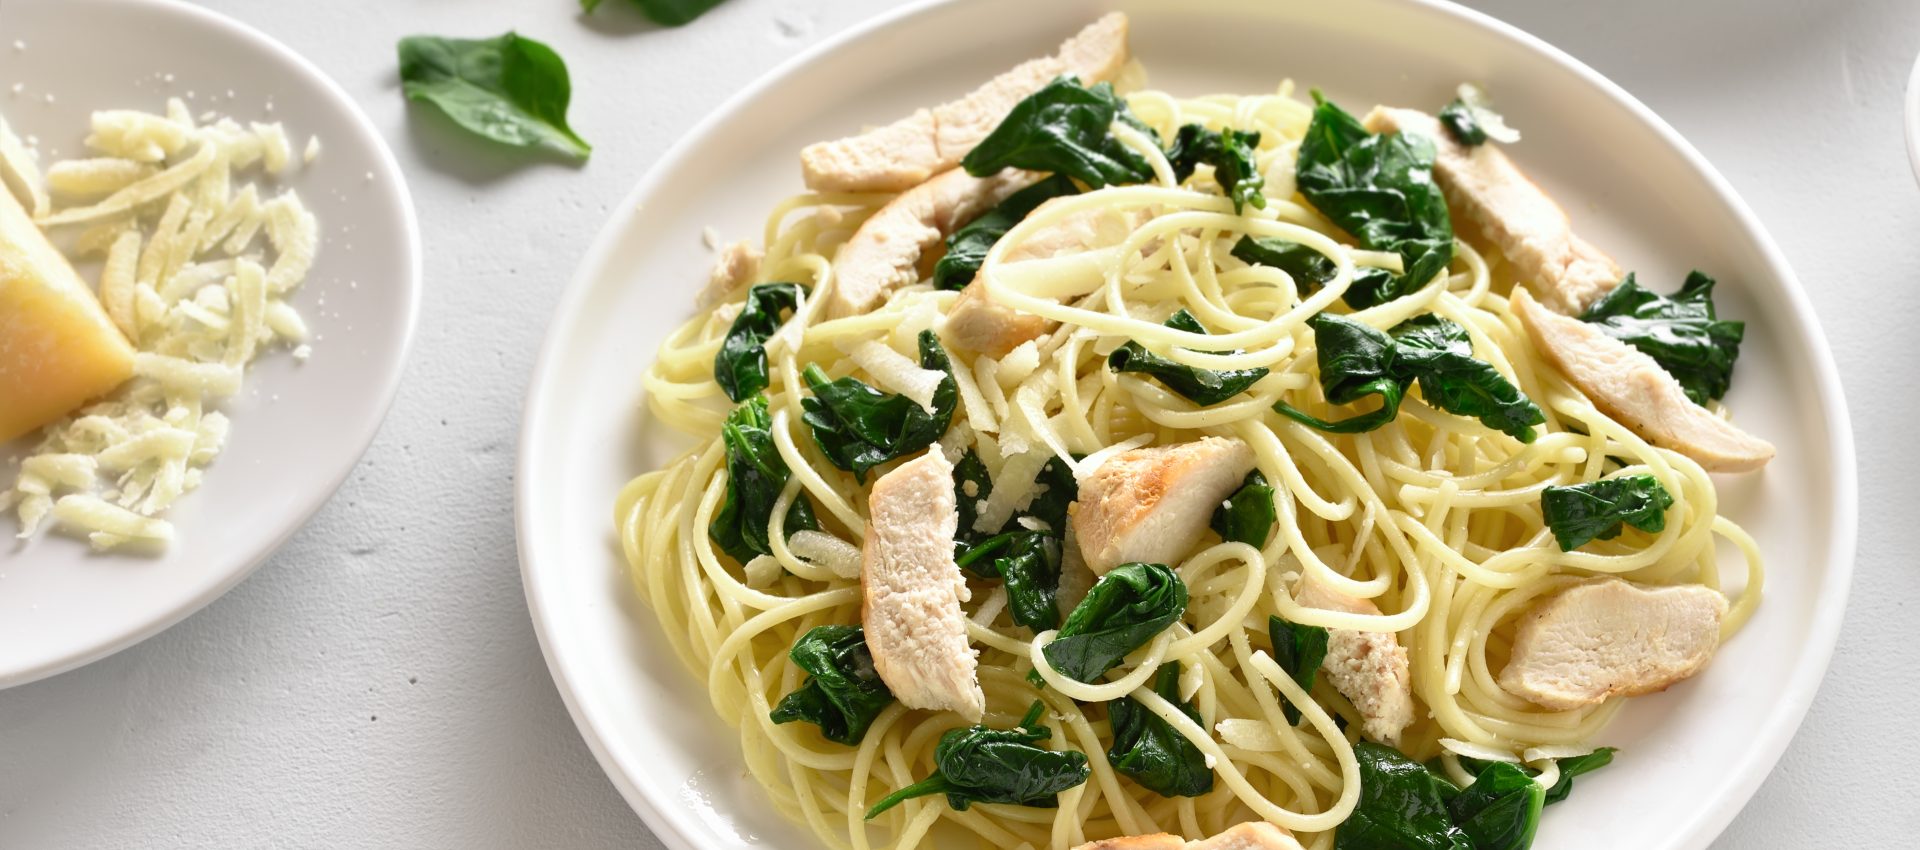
{"x": 1779, "y": 726}
{"x": 1913, "y": 118}
{"x": 386, "y": 390}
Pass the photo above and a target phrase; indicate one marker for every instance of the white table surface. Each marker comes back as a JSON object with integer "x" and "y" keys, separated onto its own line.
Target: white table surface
{"x": 377, "y": 684}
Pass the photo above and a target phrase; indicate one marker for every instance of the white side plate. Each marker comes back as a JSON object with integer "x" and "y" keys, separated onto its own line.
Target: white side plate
{"x": 1691, "y": 757}
{"x": 298, "y": 428}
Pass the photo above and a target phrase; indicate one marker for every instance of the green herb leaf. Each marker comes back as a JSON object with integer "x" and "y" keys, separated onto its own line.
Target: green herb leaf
{"x": 1201, "y": 386}
{"x": 1573, "y": 766}
{"x": 981, "y": 765}
{"x": 670, "y": 13}
{"x": 843, "y": 692}
{"x": 1248, "y": 515}
{"x": 1123, "y": 610}
{"x": 1299, "y": 650}
{"x": 510, "y": 89}
{"x": 1500, "y": 810}
{"x": 741, "y": 365}
{"x": 1230, "y": 152}
{"x": 1597, "y": 510}
{"x": 755, "y": 476}
{"x": 1148, "y": 749}
{"x": 1402, "y": 806}
{"x": 1458, "y": 118}
{"x": 859, "y": 427}
{"x": 1379, "y": 188}
{"x": 1681, "y": 333}
{"x": 967, "y": 247}
{"x": 1063, "y": 128}
{"x": 1311, "y": 270}
{"x": 1356, "y": 360}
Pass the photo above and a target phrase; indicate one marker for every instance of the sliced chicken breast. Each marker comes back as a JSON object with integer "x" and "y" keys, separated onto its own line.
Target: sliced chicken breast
{"x": 915, "y": 628}
{"x": 1487, "y": 192}
{"x": 737, "y": 265}
{"x": 1368, "y": 668}
{"x": 1606, "y": 638}
{"x": 884, "y": 254}
{"x": 1629, "y": 386}
{"x": 1255, "y": 835}
{"x": 1152, "y": 504}
{"x": 907, "y": 152}
{"x": 976, "y": 322}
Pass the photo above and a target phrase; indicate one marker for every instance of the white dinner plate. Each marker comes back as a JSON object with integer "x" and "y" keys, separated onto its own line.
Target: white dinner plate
{"x": 1690, "y": 757}
{"x": 298, "y": 428}
{"x": 1913, "y": 118}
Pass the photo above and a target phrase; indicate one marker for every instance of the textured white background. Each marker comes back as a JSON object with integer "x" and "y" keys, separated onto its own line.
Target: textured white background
{"x": 377, "y": 684}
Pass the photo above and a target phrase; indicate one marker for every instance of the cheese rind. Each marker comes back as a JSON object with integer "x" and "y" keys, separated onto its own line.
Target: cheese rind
{"x": 58, "y": 349}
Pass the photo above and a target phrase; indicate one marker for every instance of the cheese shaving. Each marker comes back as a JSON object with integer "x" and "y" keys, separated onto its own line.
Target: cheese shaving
{"x": 818, "y": 547}
{"x": 897, "y": 373}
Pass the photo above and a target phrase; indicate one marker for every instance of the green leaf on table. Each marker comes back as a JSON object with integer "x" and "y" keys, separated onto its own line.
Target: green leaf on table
{"x": 1149, "y": 750}
{"x": 755, "y": 476}
{"x": 1064, "y": 128}
{"x": 1201, "y": 386}
{"x": 510, "y": 89}
{"x": 859, "y": 427}
{"x": 843, "y": 693}
{"x": 1681, "y": 332}
{"x": 741, "y": 365}
{"x": 977, "y": 764}
{"x": 670, "y": 13}
{"x": 1599, "y": 510}
{"x": 1124, "y": 610}
{"x": 967, "y": 247}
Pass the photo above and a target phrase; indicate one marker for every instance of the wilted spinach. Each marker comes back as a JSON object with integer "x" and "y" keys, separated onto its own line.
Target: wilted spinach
{"x": 981, "y": 765}
{"x": 1380, "y": 188}
{"x": 1357, "y": 360}
{"x": 1500, "y": 810}
{"x": 741, "y": 365}
{"x": 1148, "y": 749}
{"x": 755, "y": 476}
{"x": 1573, "y": 766}
{"x": 1064, "y": 128}
{"x": 1027, "y": 561}
{"x": 967, "y": 247}
{"x": 1458, "y": 118}
{"x": 1299, "y": 649}
{"x": 1230, "y": 152}
{"x": 1201, "y": 386}
{"x": 670, "y": 13}
{"x": 1123, "y": 610}
{"x": 1403, "y": 806}
{"x": 1311, "y": 269}
{"x": 1598, "y": 510}
{"x": 1248, "y": 515}
{"x": 843, "y": 692}
{"x": 1682, "y": 332}
{"x": 859, "y": 427}
{"x": 510, "y": 89}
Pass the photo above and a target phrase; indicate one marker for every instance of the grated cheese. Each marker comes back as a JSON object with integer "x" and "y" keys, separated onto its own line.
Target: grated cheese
{"x": 897, "y": 373}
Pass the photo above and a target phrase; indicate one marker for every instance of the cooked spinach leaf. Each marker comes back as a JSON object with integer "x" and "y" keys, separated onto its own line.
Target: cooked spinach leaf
{"x": 1597, "y": 510}
{"x": 1248, "y": 515}
{"x": 1146, "y": 747}
{"x": 1299, "y": 649}
{"x": 741, "y": 365}
{"x": 1064, "y": 128}
{"x": 1357, "y": 360}
{"x": 843, "y": 693}
{"x": 1380, "y": 188}
{"x": 1682, "y": 332}
{"x": 1028, "y": 562}
{"x": 1123, "y": 610}
{"x": 1500, "y": 810}
{"x": 1230, "y": 152}
{"x": 967, "y": 247}
{"x": 670, "y": 13}
{"x": 1201, "y": 386}
{"x": 1458, "y": 118}
{"x": 1058, "y": 490}
{"x": 1311, "y": 270}
{"x": 981, "y": 765}
{"x": 859, "y": 427}
{"x": 510, "y": 89}
{"x": 755, "y": 476}
{"x": 1573, "y": 766}
{"x": 971, "y": 487}
{"x": 1403, "y": 806}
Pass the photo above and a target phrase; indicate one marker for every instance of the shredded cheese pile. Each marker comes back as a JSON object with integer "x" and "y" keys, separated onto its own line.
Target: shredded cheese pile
{"x": 197, "y": 271}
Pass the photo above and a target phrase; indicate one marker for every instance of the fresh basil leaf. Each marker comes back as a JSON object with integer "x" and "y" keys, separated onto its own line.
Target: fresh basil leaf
{"x": 859, "y": 427}
{"x": 1356, "y": 360}
{"x": 741, "y": 365}
{"x": 1299, "y": 649}
{"x": 1598, "y": 510}
{"x": 1380, "y": 188}
{"x": 1311, "y": 270}
{"x": 755, "y": 476}
{"x": 1458, "y": 118}
{"x": 671, "y": 13}
{"x": 1402, "y": 806}
{"x": 967, "y": 247}
{"x": 1438, "y": 353}
{"x": 1149, "y": 750}
{"x": 1230, "y": 152}
{"x": 1500, "y": 810}
{"x": 1573, "y": 766}
{"x": 510, "y": 89}
{"x": 1123, "y": 610}
{"x": 981, "y": 765}
{"x": 1248, "y": 515}
{"x": 1063, "y": 128}
{"x": 843, "y": 693}
{"x": 1201, "y": 386}
{"x": 1682, "y": 332}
